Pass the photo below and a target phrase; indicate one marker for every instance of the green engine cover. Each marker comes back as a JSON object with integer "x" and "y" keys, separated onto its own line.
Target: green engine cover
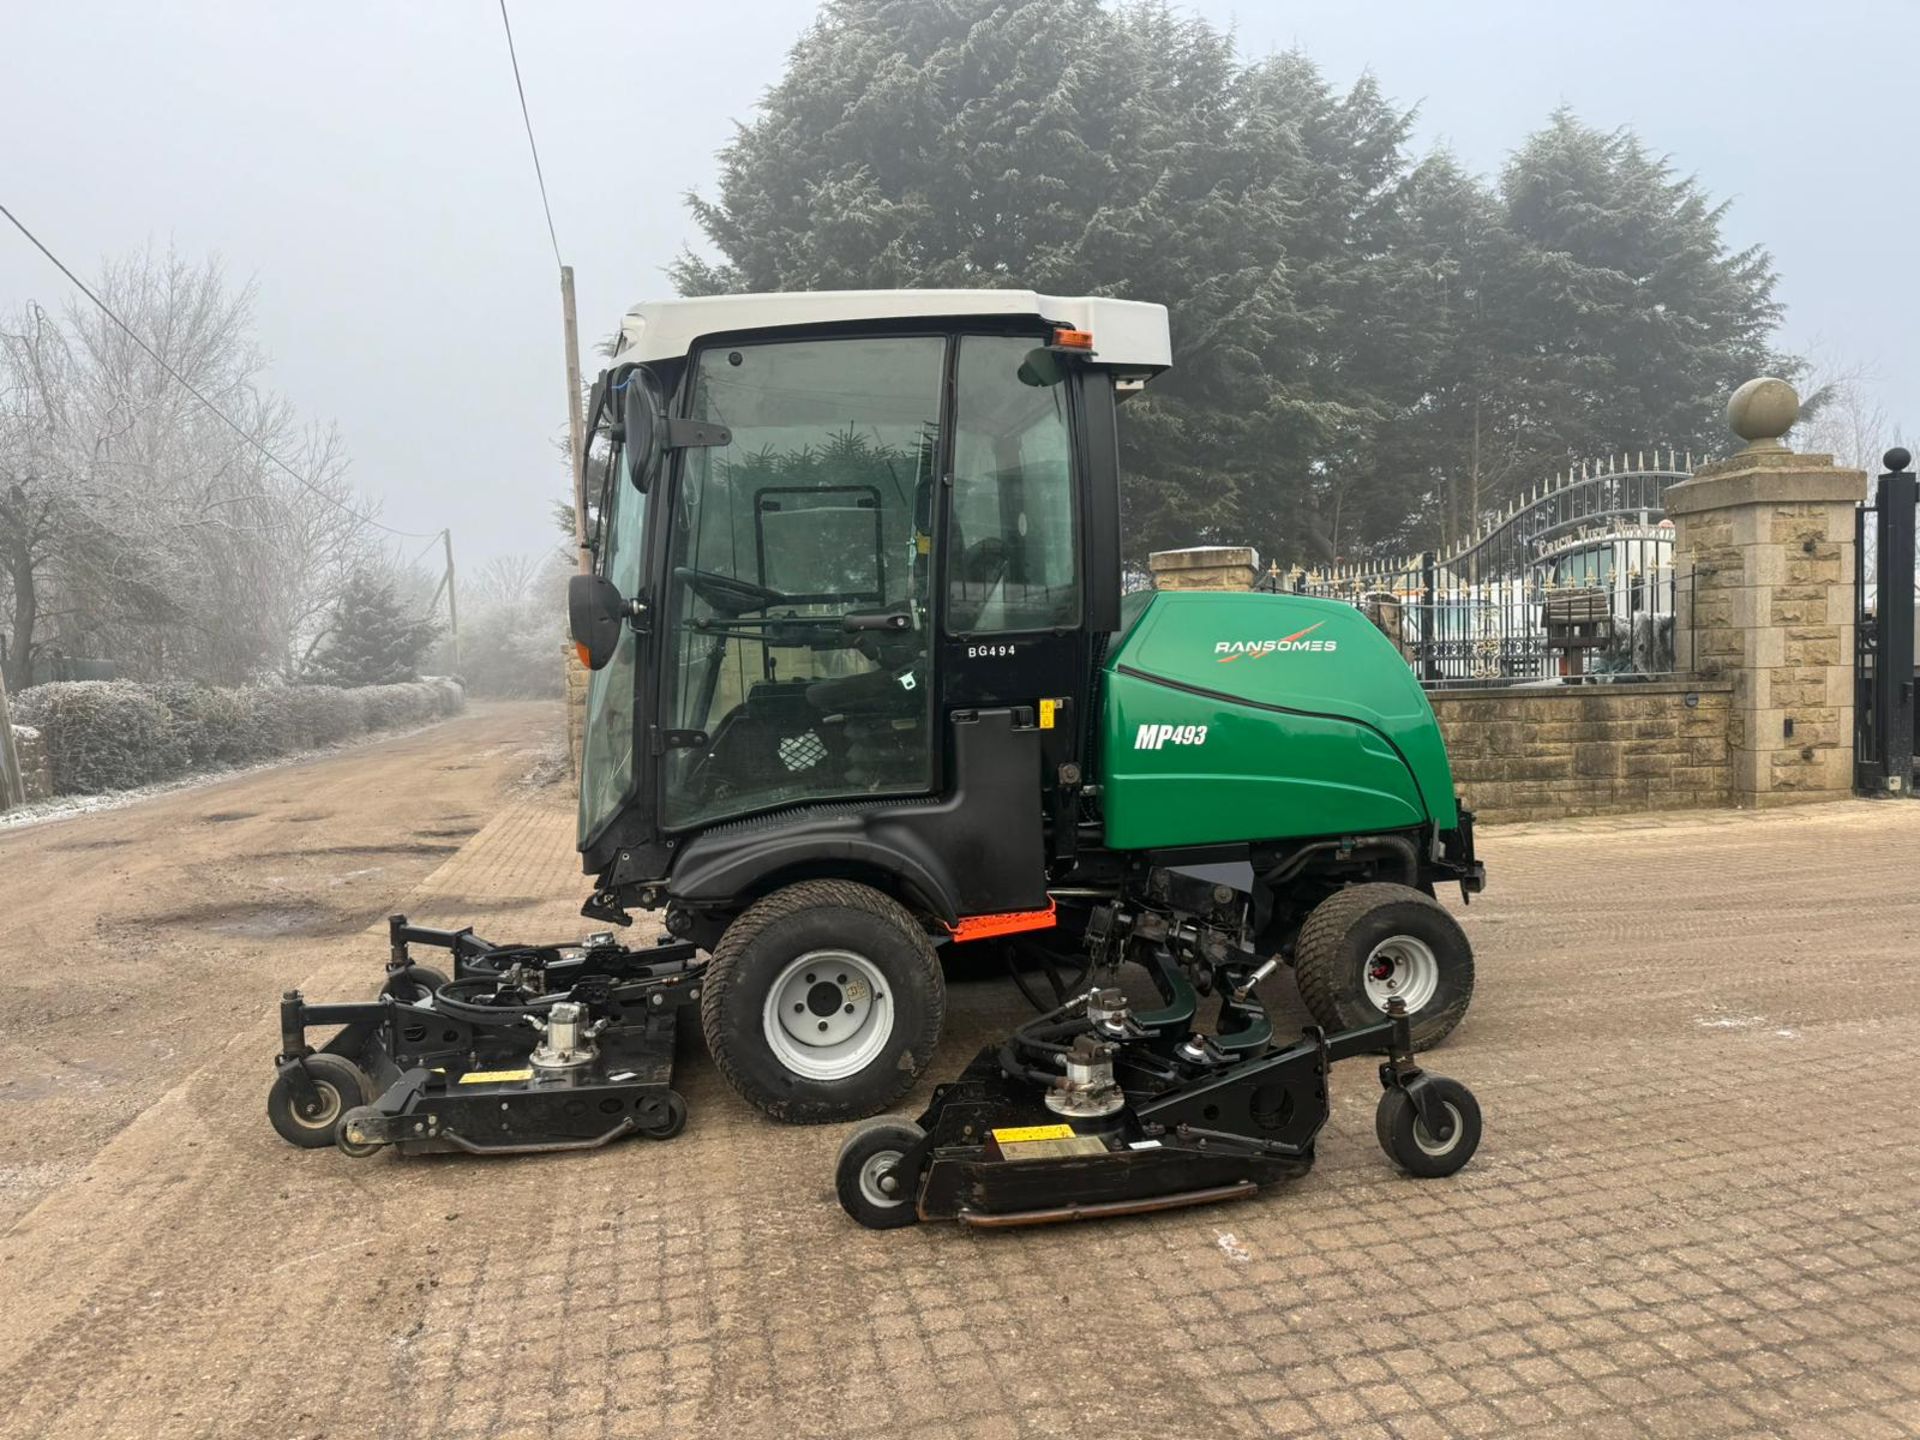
{"x": 1243, "y": 716}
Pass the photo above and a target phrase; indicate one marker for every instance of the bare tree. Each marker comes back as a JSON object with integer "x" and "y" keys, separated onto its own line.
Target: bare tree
{"x": 1838, "y": 415}
{"x": 139, "y": 525}
{"x": 506, "y": 579}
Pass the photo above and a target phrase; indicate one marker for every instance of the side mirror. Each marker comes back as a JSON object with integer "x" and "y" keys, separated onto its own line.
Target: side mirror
{"x": 642, "y": 427}
{"x": 595, "y": 613}
{"x": 1042, "y": 368}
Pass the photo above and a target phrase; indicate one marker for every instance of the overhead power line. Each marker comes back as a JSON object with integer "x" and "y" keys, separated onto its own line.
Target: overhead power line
{"x": 532, "y": 145}
{"x": 193, "y": 390}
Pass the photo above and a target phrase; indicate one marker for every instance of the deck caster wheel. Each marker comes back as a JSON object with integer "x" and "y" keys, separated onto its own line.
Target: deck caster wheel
{"x": 1414, "y": 1148}
{"x": 414, "y": 984}
{"x": 869, "y": 1194}
{"x": 343, "y": 1138}
{"x": 662, "y": 1116}
{"x": 339, "y": 1084}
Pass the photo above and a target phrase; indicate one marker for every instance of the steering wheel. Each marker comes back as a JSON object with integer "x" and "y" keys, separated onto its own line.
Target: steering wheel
{"x": 726, "y": 593}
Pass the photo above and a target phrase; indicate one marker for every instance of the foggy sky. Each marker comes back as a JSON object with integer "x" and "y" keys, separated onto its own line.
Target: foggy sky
{"x": 365, "y": 165}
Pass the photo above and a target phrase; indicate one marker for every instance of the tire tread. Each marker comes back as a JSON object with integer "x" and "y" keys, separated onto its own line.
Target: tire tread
{"x": 1317, "y": 956}
{"x": 748, "y": 926}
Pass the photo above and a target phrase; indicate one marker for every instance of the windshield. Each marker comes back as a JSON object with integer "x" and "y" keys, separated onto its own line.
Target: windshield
{"x": 797, "y": 665}
{"x": 606, "y": 759}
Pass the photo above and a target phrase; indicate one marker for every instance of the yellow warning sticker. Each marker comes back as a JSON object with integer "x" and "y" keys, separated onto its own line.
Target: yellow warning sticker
{"x": 1047, "y": 707}
{"x": 494, "y": 1077}
{"x": 1014, "y": 1135}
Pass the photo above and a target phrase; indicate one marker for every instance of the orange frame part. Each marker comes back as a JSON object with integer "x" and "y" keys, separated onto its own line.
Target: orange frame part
{"x": 1011, "y": 922}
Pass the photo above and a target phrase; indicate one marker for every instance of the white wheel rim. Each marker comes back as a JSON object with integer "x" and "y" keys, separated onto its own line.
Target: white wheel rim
{"x": 1423, "y": 1137}
{"x": 870, "y": 1173}
{"x": 329, "y": 1108}
{"x": 1401, "y": 967}
{"x": 828, "y": 1014}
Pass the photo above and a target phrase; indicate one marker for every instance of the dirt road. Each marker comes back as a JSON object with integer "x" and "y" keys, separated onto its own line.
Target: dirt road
{"x": 1692, "y": 1214}
{"x": 135, "y": 942}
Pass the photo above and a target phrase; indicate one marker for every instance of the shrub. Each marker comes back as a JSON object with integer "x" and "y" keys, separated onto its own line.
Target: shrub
{"x": 102, "y": 734}
{"x": 214, "y": 727}
{"x": 115, "y": 734}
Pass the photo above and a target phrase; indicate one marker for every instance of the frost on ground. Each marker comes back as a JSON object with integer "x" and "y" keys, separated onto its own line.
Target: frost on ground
{"x": 60, "y": 807}
{"x": 550, "y": 767}
{"x": 1744, "y": 1022}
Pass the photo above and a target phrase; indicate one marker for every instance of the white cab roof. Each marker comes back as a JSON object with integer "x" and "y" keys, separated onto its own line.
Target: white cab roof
{"x": 1130, "y": 335}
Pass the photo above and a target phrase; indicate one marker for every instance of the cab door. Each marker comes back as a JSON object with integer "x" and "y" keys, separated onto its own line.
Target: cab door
{"x": 796, "y": 664}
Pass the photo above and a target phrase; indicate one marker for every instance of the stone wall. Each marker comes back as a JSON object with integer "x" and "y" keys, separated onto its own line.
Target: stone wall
{"x": 1542, "y": 752}
{"x": 1205, "y": 567}
{"x": 36, "y": 763}
{"x": 576, "y": 709}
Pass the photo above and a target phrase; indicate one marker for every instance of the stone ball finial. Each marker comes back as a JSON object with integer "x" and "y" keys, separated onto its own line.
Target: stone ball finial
{"x": 1763, "y": 410}
{"x": 1897, "y": 459}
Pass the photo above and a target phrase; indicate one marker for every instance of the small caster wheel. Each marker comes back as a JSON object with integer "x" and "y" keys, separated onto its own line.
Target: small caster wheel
{"x": 860, "y": 1178}
{"x": 344, "y": 1138}
{"x": 1408, "y": 1142}
{"x": 340, "y": 1085}
{"x": 414, "y": 984}
{"x": 661, "y": 1116}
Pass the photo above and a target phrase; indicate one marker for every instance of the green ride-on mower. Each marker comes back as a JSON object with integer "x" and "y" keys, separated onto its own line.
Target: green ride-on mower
{"x": 866, "y": 695}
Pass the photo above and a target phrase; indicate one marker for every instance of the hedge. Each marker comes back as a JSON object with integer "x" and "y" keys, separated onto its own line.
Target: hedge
{"x": 115, "y": 734}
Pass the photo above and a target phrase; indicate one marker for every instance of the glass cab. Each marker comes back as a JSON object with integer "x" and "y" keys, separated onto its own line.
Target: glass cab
{"x": 878, "y": 500}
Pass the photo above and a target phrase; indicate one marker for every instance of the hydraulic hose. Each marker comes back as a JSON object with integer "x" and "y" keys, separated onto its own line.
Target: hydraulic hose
{"x": 1398, "y": 844}
{"x": 450, "y": 1000}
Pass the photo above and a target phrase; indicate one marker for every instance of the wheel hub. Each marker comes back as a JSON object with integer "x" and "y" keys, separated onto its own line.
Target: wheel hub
{"x": 828, "y": 1014}
{"x": 320, "y": 1112}
{"x": 1402, "y": 967}
{"x": 877, "y": 1181}
{"x": 1423, "y": 1137}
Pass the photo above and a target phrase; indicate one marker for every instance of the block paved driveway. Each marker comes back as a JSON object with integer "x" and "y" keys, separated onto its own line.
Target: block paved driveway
{"x": 1696, "y": 1213}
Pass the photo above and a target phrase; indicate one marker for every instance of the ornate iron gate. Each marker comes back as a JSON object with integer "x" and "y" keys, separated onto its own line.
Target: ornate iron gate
{"x": 1573, "y": 580}
{"x": 1884, "y": 727}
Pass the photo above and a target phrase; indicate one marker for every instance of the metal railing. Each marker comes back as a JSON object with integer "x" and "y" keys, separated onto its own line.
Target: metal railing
{"x": 1575, "y": 580}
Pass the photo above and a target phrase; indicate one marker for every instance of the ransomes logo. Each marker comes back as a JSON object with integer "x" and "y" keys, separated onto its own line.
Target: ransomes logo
{"x": 1228, "y": 651}
{"x": 1157, "y": 737}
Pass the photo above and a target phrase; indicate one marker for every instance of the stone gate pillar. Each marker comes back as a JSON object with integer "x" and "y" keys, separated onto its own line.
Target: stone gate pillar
{"x": 1205, "y": 567}
{"x": 1764, "y": 557}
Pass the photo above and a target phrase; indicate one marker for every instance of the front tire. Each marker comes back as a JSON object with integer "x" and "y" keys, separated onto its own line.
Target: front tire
{"x": 1368, "y": 944}
{"x": 823, "y": 1002}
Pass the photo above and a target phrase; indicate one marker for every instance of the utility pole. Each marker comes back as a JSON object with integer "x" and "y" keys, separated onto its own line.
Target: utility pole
{"x": 576, "y": 422}
{"x": 453, "y": 607}
{"x": 13, "y": 785}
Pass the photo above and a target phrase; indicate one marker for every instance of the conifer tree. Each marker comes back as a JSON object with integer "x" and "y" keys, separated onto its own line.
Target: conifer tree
{"x": 1368, "y": 348}
{"x": 371, "y": 640}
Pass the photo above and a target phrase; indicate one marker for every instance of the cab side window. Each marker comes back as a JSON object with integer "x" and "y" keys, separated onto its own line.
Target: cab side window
{"x": 1012, "y": 543}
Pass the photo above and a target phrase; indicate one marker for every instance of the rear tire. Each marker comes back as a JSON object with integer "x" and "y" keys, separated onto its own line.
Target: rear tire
{"x": 1364, "y": 944}
{"x": 823, "y": 1002}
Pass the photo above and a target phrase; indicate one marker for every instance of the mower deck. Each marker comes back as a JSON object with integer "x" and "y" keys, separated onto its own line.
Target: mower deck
{"x": 1094, "y": 1111}
{"x": 526, "y": 1048}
